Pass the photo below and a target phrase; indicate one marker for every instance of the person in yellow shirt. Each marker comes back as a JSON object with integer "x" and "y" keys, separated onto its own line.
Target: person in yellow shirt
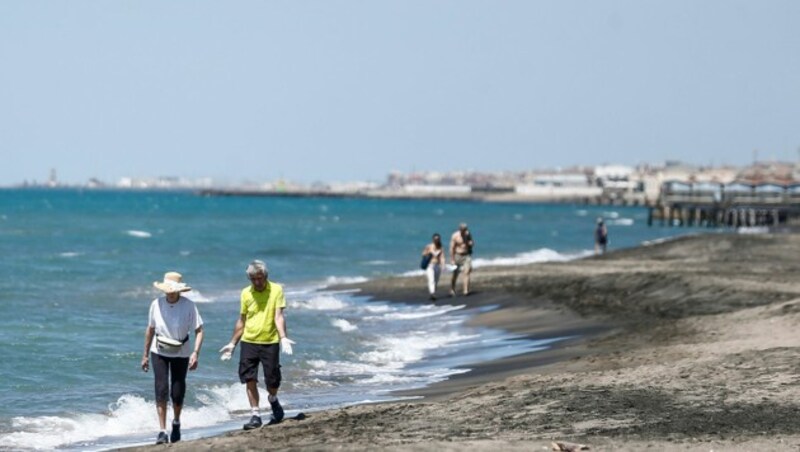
{"x": 261, "y": 327}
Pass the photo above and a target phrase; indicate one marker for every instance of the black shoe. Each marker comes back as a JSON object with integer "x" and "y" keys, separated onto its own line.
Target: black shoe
{"x": 162, "y": 438}
{"x": 175, "y": 434}
{"x": 277, "y": 411}
{"x": 255, "y": 422}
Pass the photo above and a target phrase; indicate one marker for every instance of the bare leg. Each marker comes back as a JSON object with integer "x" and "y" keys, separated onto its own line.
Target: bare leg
{"x": 252, "y": 393}
{"x": 466, "y": 282}
{"x": 161, "y": 408}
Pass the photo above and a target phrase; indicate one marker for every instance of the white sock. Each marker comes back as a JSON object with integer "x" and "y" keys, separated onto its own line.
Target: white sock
{"x": 271, "y": 398}
{"x": 255, "y": 412}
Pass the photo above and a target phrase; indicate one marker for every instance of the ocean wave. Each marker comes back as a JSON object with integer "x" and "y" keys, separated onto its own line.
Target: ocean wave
{"x": 420, "y": 312}
{"x": 70, "y": 254}
{"x": 622, "y": 222}
{"x": 139, "y": 234}
{"x": 753, "y": 230}
{"x": 129, "y": 415}
{"x": 398, "y": 351}
{"x": 531, "y": 257}
{"x": 334, "y": 280}
{"x": 319, "y": 303}
{"x": 198, "y": 297}
{"x": 343, "y": 325}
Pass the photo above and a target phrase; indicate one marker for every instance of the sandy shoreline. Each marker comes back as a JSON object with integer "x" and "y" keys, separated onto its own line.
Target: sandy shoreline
{"x": 685, "y": 345}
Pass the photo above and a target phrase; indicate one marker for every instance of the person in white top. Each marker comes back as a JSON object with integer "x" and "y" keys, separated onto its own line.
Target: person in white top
{"x": 435, "y": 263}
{"x": 171, "y": 319}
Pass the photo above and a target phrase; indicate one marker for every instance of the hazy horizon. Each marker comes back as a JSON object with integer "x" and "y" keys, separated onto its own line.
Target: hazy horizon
{"x": 351, "y": 90}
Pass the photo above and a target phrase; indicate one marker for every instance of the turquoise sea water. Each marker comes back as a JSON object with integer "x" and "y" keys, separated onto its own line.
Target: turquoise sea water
{"x": 76, "y": 281}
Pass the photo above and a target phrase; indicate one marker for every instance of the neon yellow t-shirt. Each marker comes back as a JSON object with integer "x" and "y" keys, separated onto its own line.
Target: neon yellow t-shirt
{"x": 259, "y": 311}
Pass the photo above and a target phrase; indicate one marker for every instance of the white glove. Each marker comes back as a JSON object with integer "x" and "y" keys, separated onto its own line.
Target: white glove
{"x": 286, "y": 345}
{"x": 227, "y": 351}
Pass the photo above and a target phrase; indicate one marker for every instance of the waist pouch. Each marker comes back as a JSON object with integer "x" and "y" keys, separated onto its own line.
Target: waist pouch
{"x": 165, "y": 344}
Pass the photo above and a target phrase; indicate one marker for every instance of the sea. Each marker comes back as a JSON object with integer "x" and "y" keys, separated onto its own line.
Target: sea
{"x": 76, "y": 282}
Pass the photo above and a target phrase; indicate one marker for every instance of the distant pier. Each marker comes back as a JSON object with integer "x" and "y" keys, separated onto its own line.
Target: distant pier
{"x": 725, "y": 205}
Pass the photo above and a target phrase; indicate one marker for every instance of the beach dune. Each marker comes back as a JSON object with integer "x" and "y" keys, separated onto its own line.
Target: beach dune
{"x": 690, "y": 344}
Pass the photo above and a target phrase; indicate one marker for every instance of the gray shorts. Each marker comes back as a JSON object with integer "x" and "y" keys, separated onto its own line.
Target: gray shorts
{"x": 463, "y": 263}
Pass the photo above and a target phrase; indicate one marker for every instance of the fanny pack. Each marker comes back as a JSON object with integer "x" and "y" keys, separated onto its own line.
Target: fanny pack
{"x": 168, "y": 345}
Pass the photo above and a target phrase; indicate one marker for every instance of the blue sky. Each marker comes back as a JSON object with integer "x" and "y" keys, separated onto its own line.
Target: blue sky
{"x": 350, "y": 90}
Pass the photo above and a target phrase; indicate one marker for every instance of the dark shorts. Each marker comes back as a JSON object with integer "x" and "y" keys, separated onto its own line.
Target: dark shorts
{"x": 251, "y": 355}
{"x": 170, "y": 377}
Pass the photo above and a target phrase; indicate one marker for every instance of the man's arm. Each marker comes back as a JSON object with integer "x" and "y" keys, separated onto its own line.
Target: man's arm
{"x": 280, "y": 322}
{"x": 238, "y": 329}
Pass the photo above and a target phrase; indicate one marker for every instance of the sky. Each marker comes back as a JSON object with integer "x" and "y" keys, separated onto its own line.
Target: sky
{"x": 336, "y": 90}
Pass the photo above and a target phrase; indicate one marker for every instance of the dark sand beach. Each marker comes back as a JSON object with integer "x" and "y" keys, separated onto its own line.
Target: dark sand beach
{"x": 690, "y": 344}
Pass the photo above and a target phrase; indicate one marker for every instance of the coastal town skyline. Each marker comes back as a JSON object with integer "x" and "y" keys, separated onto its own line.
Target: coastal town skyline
{"x": 346, "y": 91}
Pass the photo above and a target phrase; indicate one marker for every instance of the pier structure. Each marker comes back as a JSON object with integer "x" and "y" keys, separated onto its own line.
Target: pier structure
{"x": 737, "y": 204}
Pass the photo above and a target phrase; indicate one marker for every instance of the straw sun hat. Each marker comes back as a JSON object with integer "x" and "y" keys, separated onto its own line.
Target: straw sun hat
{"x": 173, "y": 282}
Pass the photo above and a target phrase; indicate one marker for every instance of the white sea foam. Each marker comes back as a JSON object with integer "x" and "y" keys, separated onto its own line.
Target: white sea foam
{"x": 198, "y": 297}
{"x": 378, "y": 262}
{"x": 413, "y": 273}
{"x": 378, "y": 308}
{"x": 531, "y": 257}
{"x": 393, "y": 353}
{"x": 622, "y": 222}
{"x": 581, "y": 212}
{"x": 334, "y": 280}
{"x": 322, "y": 302}
{"x": 129, "y": 415}
{"x": 139, "y": 234}
{"x": 70, "y": 254}
{"x": 753, "y": 230}
{"x": 419, "y": 312}
{"x": 343, "y": 325}
{"x": 389, "y": 357}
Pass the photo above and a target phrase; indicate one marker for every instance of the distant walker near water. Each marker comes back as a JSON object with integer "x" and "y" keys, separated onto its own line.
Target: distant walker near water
{"x": 461, "y": 244}
{"x": 432, "y": 263}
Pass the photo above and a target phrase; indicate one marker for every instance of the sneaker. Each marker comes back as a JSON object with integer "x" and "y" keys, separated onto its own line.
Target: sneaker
{"x": 255, "y": 422}
{"x": 432, "y": 298}
{"x": 175, "y": 434}
{"x": 162, "y": 438}
{"x": 277, "y": 410}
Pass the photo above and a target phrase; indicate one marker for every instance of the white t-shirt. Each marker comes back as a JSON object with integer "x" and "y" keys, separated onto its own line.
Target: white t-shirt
{"x": 174, "y": 321}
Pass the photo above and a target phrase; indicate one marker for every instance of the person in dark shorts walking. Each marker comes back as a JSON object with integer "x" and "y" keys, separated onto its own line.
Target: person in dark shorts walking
{"x": 261, "y": 327}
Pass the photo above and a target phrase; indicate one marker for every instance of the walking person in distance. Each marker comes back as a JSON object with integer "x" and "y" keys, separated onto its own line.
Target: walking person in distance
{"x": 461, "y": 244}
{"x": 433, "y": 254}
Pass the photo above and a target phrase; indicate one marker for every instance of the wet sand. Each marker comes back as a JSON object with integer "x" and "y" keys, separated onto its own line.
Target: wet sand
{"x": 685, "y": 345}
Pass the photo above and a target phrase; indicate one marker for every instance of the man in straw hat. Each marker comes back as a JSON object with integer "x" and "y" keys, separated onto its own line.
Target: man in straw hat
{"x": 172, "y": 317}
{"x": 261, "y": 327}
